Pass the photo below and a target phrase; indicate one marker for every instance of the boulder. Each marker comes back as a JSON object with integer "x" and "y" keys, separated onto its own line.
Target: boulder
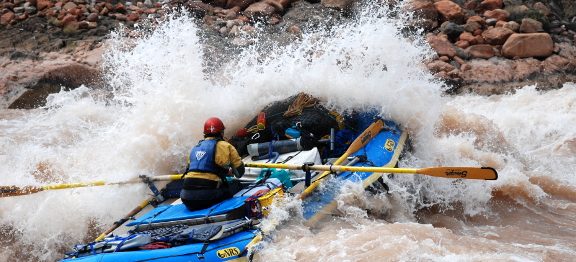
{"x": 449, "y": 10}
{"x": 497, "y": 35}
{"x": 554, "y": 63}
{"x": 468, "y": 37}
{"x": 7, "y": 18}
{"x": 512, "y": 25}
{"x": 441, "y": 45}
{"x": 452, "y": 30}
{"x": 92, "y": 17}
{"x": 491, "y": 4}
{"x": 541, "y": 8}
{"x": 498, "y": 14}
{"x": 439, "y": 66}
{"x": 259, "y": 9}
{"x": 472, "y": 26}
{"x": 462, "y": 44}
{"x": 426, "y": 14}
{"x": 524, "y": 68}
{"x": 530, "y": 25}
{"x": 43, "y": 4}
{"x": 69, "y": 6}
{"x": 489, "y": 71}
{"x": 481, "y": 51}
{"x": 528, "y": 45}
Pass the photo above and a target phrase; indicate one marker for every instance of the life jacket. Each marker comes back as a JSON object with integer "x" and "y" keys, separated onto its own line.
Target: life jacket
{"x": 203, "y": 156}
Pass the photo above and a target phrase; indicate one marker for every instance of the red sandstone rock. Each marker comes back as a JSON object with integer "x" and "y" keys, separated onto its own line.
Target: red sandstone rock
{"x": 259, "y": 9}
{"x": 512, "y": 26}
{"x": 93, "y": 17}
{"x": 83, "y": 25}
{"x": 466, "y": 36}
{"x": 528, "y": 45}
{"x": 471, "y": 26}
{"x": 487, "y": 71}
{"x": 441, "y": 45}
{"x": 459, "y": 61}
{"x": 454, "y": 74}
{"x": 439, "y": 66}
{"x": 449, "y": 10}
{"x": 498, "y": 14}
{"x": 7, "y": 18}
{"x": 119, "y": 17}
{"x": 462, "y": 44}
{"x": 554, "y": 63}
{"x": 22, "y": 17}
{"x": 479, "y": 39}
{"x": 471, "y": 5}
{"x": 542, "y": 8}
{"x": 43, "y": 4}
{"x": 150, "y": 11}
{"x": 426, "y": 13}
{"x": 530, "y": 25}
{"x": 497, "y": 35}
{"x": 294, "y": 29}
{"x": 465, "y": 67}
{"x": 50, "y": 13}
{"x": 132, "y": 17}
{"x": 481, "y": 51}
{"x": 69, "y": 6}
{"x": 105, "y": 11}
{"x": 525, "y": 68}
{"x": 75, "y": 11}
{"x": 491, "y": 4}
{"x": 243, "y": 19}
{"x": 476, "y": 19}
{"x": 274, "y": 20}
{"x": 69, "y": 18}
{"x": 119, "y": 7}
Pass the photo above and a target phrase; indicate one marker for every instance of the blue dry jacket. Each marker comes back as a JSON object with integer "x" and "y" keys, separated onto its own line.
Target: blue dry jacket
{"x": 202, "y": 158}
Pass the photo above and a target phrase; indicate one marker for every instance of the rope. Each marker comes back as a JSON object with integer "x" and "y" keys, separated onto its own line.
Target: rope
{"x": 302, "y": 101}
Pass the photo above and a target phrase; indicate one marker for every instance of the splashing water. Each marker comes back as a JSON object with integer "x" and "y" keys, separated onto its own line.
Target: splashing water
{"x": 162, "y": 96}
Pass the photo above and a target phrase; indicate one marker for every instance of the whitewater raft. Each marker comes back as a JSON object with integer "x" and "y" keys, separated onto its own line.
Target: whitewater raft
{"x": 229, "y": 231}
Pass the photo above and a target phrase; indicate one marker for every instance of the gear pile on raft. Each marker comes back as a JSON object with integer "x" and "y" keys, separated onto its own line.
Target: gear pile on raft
{"x": 289, "y": 148}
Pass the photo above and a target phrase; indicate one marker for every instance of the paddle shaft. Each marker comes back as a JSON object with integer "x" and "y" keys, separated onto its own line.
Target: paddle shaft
{"x": 127, "y": 217}
{"x": 486, "y": 173}
{"x": 361, "y": 141}
{"x": 7, "y": 191}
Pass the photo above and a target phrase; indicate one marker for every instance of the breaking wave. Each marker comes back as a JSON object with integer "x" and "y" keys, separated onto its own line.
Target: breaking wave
{"x": 159, "y": 95}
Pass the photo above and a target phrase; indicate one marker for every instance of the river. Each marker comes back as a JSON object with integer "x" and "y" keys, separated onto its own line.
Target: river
{"x": 162, "y": 94}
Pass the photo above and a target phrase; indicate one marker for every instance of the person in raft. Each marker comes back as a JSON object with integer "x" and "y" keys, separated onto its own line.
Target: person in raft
{"x": 212, "y": 160}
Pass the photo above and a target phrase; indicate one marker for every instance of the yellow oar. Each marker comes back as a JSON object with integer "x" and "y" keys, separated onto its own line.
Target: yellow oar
{"x": 486, "y": 173}
{"x": 7, "y": 191}
{"x": 127, "y": 217}
{"x": 360, "y": 142}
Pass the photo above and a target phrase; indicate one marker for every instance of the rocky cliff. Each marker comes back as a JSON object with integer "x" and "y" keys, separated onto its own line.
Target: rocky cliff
{"x": 482, "y": 46}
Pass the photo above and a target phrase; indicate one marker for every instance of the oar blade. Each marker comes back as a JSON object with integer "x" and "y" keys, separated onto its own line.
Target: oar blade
{"x": 484, "y": 173}
{"x": 8, "y": 191}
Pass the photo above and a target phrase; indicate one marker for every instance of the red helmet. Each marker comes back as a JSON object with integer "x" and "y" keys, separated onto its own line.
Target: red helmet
{"x": 213, "y": 126}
